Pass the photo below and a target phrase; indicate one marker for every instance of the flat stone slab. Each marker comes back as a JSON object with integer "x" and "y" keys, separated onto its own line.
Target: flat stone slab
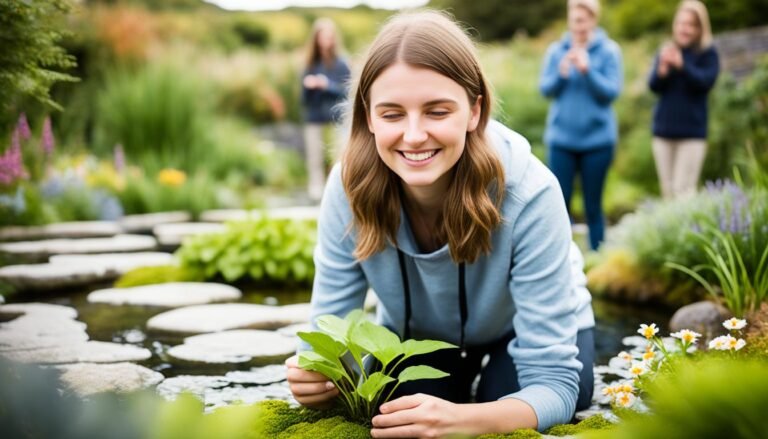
{"x": 238, "y": 346}
{"x": 39, "y": 325}
{"x": 171, "y": 295}
{"x": 82, "y": 352}
{"x": 40, "y": 277}
{"x": 147, "y": 221}
{"x": 223, "y": 317}
{"x": 116, "y": 264}
{"x": 173, "y": 234}
{"x": 48, "y": 247}
{"x": 74, "y": 229}
{"x": 248, "y": 387}
{"x": 86, "y": 379}
{"x": 297, "y": 213}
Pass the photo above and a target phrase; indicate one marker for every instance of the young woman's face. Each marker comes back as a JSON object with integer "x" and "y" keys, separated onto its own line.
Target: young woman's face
{"x": 326, "y": 38}
{"x": 420, "y": 120}
{"x": 685, "y": 30}
{"x": 581, "y": 23}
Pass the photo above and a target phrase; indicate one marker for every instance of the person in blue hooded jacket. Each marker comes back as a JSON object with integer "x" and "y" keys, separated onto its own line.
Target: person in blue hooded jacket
{"x": 684, "y": 71}
{"x": 582, "y": 75}
{"x": 463, "y": 236}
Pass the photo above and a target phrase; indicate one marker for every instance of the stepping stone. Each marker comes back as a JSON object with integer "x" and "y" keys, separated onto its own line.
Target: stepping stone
{"x": 86, "y": 379}
{"x": 174, "y": 234}
{"x": 81, "y": 352}
{"x": 219, "y": 391}
{"x": 297, "y": 213}
{"x": 45, "y": 248}
{"x": 143, "y": 223}
{"x": 74, "y": 229}
{"x": 292, "y": 330}
{"x": 116, "y": 264}
{"x": 171, "y": 295}
{"x": 274, "y": 373}
{"x": 238, "y": 346}
{"x": 40, "y": 277}
{"x": 39, "y": 325}
{"x": 223, "y": 317}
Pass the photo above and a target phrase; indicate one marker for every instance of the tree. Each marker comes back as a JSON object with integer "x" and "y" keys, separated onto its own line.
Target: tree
{"x": 31, "y": 59}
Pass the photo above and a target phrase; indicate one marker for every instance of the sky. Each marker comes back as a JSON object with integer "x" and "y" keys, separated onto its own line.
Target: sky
{"x": 272, "y": 5}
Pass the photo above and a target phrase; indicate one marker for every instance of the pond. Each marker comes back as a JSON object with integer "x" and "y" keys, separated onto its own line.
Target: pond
{"x": 127, "y": 324}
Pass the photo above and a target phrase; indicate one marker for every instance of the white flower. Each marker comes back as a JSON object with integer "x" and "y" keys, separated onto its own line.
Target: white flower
{"x": 625, "y": 356}
{"x": 734, "y": 324}
{"x": 638, "y": 368}
{"x": 720, "y": 343}
{"x": 686, "y": 335}
{"x": 648, "y": 331}
{"x": 625, "y": 399}
{"x": 736, "y": 344}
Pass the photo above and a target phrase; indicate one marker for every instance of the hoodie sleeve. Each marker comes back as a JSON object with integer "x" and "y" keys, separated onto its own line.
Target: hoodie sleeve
{"x": 340, "y": 284}
{"x": 605, "y": 83}
{"x": 544, "y": 349}
{"x": 701, "y": 73}
{"x": 337, "y": 85}
{"x": 551, "y": 83}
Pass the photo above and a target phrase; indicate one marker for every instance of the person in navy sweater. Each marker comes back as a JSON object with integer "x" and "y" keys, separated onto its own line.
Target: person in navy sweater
{"x": 582, "y": 75}
{"x": 684, "y": 72}
{"x": 324, "y": 85}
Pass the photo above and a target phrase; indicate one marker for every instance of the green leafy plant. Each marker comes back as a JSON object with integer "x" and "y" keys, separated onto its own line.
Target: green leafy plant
{"x": 263, "y": 249}
{"x": 343, "y": 347}
{"x": 741, "y": 289}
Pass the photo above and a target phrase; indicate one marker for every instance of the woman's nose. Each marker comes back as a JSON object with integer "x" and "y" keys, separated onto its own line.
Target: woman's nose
{"x": 414, "y": 133}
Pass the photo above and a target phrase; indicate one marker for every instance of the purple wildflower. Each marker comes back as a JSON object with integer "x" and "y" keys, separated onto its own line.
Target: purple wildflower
{"x": 47, "y": 139}
{"x": 22, "y": 127}
{"x": 11, "y": 162}
{"x": 119, "y": 158}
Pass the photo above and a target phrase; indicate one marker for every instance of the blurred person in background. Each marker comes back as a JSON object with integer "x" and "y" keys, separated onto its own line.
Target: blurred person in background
{"x": 582, "y": 74}
{"x": 683, "y": 73}
{"x": 324, "y": 86}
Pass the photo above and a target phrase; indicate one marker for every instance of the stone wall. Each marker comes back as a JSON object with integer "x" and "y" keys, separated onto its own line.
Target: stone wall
{"x": 741, "y": 50}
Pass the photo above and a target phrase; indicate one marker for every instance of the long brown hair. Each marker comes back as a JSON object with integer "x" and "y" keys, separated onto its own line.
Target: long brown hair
{"x": 314, "y": 54}
{"x": 471, "y": 208}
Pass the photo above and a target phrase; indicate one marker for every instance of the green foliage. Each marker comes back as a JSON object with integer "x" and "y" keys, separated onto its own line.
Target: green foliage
{"x": 361, "y": 392}
{"x": 693, "y": 402}
{"x": 146, "y": 194}
{"x": 329, "y": 428}
{"x": 263, "y": 249}
{"x": 159, "y": 114}
{"x": 596, "y": 422}
{"x": 500, "y": 19}
{"x": 250, "y": 32}
{"x": 31, "y": 59}
{"x": 157, "y": 275}
{"x": 662, "y": 232}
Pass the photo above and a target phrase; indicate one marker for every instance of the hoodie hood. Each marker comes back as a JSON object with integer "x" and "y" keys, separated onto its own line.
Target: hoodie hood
{"x": 598, "y": 38}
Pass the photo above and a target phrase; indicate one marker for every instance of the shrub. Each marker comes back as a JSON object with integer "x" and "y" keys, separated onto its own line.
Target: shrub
{"x": 168, "y": 190}
{"x": 159, "y": 114}
{"x": 263, "y": 249}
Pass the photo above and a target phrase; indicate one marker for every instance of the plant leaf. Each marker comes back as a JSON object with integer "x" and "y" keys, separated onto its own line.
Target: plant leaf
{"x": 311, "y": 360}
{"x": 336, "y": 327}
{"x": 378, "y": 341}
{"x": 324, "y": 345}
{"x": 373, "y": 385}
{"x": 413, "y": 373}
{"x": 419, "y": 347}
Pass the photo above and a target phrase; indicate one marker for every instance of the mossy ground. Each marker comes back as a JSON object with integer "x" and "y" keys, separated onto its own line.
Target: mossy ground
{"x": 278, "y": 420}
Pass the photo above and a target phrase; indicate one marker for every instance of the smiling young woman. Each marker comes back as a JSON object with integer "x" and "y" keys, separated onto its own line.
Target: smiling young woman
{"x": 464, "y": 237}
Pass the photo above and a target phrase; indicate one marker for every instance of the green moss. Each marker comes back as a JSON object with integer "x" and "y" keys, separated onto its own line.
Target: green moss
{"x": 277, "y": 417}
{"x": 525, "y": 433}
{"x": 157, "y": 275}
{"x": 330, "y": 428}
{"x": 596, "y": 422}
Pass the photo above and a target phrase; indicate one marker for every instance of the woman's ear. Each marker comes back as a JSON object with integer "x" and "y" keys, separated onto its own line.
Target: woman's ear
{"x": 474, "y": 114}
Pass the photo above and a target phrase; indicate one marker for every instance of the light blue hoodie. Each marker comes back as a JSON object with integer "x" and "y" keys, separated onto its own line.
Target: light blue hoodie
{"x": 525, "y": 284}
{"x": 580, "y": 116}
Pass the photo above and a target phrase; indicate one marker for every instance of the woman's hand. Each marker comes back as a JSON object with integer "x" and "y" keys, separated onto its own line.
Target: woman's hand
{"x": 419, "y": 415}
{"x": 565, "y": 65}
{"x": 310, "y": 389}
{"x": 580, "y": 59}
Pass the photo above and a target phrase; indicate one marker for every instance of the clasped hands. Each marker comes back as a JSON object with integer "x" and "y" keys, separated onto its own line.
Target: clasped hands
{"x": 577, "y": 57}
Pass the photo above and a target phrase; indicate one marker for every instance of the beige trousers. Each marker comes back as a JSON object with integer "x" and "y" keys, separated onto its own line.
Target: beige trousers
{"x": 678, "y": 164}
{"x": 322, "y": 142}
